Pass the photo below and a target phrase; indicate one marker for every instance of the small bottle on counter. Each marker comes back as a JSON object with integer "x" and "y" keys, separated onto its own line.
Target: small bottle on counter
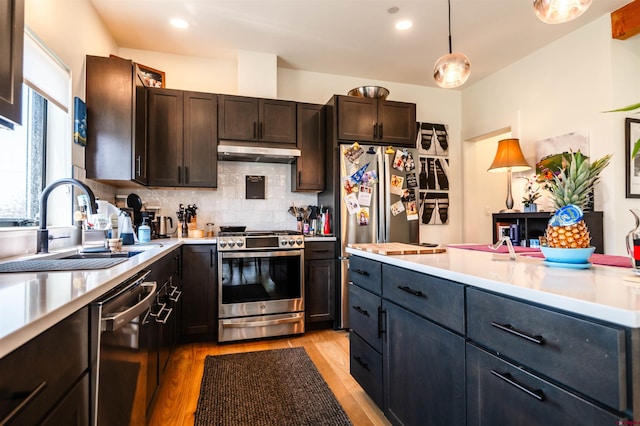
{"x": 144, "y": 232}
{"x": 305, "y": 227}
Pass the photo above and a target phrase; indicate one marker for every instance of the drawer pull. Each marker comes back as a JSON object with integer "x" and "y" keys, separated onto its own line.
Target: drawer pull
{"x": 411, "y": 291}
{"x": 536, "y": 393}
{"x": 382, "y": 315}
{"x": 28, "y": 399}
{"x": 509, "y": 329}
{"x": 362, "y": 311}
{"x": 361, "y": 272}
{"x": 361, "y": 362}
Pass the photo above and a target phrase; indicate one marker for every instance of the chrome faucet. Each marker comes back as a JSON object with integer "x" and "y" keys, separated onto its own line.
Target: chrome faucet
{"x": 507, "y": 240}
{"x": 43, "y": 233}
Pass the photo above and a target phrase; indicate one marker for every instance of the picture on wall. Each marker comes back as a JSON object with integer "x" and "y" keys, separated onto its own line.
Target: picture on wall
{"x": 79, "y": 121}
{"x": 632, "y": 165}
{"x": 434, "y": 208}
{"x": 434, "y": 173}
{"x": 432, "y": 139}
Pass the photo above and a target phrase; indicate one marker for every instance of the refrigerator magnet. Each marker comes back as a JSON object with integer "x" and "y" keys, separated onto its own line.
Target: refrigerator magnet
{"x": 412, "y": 210}
{"x": 352, "y": 203}
{"x": 398, "y": 161}
{"x": 412, "y": 181}
{"x": 408, "y": 195}
{"x": 370, "y": 177}
{"x": 353, "y": 152}
{"x": 357, "y": 176}
{"x": 397, "y": 208}
{"x": 396, "y": 184}
{"x": 364, "y": 195}
{"x": 363, "y": 216}
{"x": 409, "y": 163}
{"x": 349, "y": 186}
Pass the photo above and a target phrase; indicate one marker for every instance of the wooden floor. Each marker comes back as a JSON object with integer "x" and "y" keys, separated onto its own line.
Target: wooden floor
{"x": 178, "y": 396}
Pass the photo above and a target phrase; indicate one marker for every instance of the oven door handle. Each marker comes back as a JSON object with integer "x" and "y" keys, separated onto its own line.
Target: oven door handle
{"x": 116, "y": 321}
{"x": 261, "y": 323}
{"x": 245, "y": 254}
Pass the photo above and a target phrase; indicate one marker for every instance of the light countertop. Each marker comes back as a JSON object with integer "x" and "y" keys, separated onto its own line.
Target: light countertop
{"x": 600, "y": 292}
{"x": 31, "y": 303}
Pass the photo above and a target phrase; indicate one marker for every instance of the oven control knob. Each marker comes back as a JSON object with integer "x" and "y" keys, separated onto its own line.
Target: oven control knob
{"x": 223, "y": 243}
{"x": 232, "y": 243}
{"x": 299, "y": 241}
{"x": 239, "y": 243}
{"x": 291, "y": 242}
{"x": 283, "y": 242}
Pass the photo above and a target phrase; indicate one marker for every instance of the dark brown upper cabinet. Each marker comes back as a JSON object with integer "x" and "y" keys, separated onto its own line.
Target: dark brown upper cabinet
{"x": 308, "y": 169}
{"x": 11, "y": 46}
{"x": 244, "y": 118}
{"x": 182, "y": 137}
{"x": 116, "y": 151}
{"x": 376, "y": 121}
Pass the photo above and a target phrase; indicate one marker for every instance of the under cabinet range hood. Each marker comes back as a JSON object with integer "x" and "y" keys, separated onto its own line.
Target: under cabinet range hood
{"x": 259, "y": 154}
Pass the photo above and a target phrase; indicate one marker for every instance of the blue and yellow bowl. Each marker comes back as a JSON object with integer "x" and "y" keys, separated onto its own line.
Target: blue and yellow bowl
{"x": 567, "y": 255}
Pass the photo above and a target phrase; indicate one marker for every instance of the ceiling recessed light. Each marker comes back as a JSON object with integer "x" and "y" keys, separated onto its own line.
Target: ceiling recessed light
{"x": 179, "y": 23}
{"x": 404, "y": 25}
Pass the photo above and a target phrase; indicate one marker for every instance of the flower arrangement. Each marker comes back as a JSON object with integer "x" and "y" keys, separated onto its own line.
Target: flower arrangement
{"x": 531, "y": 191}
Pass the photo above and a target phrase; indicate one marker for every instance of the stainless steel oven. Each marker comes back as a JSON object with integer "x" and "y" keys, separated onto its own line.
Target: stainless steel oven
{"x": 260, "y": 284}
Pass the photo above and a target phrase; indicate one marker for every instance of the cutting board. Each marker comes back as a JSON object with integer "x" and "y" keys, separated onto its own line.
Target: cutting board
{"x": 396, "y": 248}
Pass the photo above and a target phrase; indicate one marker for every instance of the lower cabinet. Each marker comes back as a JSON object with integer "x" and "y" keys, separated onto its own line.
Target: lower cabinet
{"x": 424, "y": 381}
{"x": 199, "y": 291}
{"x": 48, "y": 376}
{"x": 73, "y": 410}
{"x": 319, "y": 281}
{"x": 500, "y": 393}
{"x": 429, "y": 351}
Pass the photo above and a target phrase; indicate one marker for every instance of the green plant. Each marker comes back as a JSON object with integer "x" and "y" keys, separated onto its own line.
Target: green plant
{"x": 632, "y": 107}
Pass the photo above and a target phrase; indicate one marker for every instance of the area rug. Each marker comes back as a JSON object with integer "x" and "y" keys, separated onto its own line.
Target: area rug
{"x": 276, "y": 387}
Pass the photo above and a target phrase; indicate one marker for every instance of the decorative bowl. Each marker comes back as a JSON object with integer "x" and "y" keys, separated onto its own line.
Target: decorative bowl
{"x": 369, "y": 92}
{"x": 567, "y": 255}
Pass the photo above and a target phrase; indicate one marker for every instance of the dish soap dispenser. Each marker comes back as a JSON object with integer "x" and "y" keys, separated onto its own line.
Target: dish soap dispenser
{"x": 144, "y": 232}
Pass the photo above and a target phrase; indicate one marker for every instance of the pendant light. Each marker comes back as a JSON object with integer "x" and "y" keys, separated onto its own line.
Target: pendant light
{"x": 451, "y": 70}
{"x": 559, "y": 11}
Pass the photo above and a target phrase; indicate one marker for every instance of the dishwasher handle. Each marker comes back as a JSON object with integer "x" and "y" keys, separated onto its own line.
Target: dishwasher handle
{"x": 116, "y": 321}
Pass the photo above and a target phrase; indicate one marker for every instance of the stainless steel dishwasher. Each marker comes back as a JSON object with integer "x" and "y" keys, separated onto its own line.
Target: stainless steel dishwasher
{"x": 122, "y": 329}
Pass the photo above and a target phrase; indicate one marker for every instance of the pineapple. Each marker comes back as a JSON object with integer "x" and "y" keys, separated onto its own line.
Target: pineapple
{"x": 571, "y": 190}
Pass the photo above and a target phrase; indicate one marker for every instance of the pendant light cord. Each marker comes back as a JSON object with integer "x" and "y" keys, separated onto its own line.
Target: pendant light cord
{"x": 449, "y": 3}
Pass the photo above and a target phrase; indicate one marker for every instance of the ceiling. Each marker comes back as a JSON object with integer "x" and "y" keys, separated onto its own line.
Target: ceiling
{"x": 345, "y": 37}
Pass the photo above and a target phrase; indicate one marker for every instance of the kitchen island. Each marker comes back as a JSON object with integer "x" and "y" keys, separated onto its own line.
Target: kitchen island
{"x": 469, "y": 337}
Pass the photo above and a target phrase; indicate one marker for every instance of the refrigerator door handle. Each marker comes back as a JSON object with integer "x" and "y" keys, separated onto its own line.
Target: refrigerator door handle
{"x": 384, "y": 205}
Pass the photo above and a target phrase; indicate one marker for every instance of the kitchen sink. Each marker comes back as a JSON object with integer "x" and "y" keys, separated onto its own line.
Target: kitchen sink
{"x": 74, "y": 262}
{"x": 102, "y": 255}
{"x": 48, "y": 265}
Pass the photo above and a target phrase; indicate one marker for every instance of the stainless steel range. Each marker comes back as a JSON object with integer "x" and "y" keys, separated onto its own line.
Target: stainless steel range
{"x": 260, "y": 284}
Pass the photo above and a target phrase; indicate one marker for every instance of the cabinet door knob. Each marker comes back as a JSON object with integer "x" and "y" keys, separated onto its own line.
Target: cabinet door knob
{"x": 380, "y": 130}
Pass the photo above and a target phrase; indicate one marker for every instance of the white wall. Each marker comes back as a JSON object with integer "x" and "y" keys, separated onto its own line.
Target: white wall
{"x": 561, "y": 88}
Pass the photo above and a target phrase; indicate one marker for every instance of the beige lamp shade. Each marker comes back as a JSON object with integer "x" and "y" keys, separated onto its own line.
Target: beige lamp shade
{"x": 509, "y": 157}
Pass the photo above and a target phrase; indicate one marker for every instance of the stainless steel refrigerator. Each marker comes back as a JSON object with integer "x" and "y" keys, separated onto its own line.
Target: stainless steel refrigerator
{"x": 378, "y": 202}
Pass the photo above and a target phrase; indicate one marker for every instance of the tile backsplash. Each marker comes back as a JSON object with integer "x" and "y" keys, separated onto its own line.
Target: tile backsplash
{"x": 227, "y": 204}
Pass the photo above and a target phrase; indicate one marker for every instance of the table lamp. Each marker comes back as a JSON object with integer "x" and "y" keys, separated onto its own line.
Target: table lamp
{"x": 509, "y": 159}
